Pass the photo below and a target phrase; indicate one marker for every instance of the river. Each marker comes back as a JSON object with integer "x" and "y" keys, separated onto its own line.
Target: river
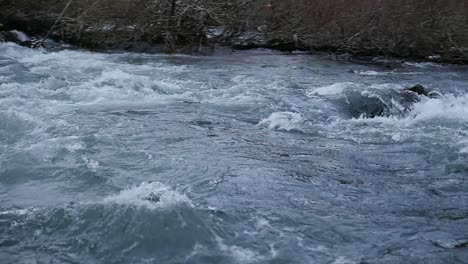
{"x": 244, "y": 157}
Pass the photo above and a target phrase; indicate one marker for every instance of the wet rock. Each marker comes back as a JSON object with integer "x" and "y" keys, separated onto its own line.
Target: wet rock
{"x": 281, "y": 45}
{"x": 388, "y": 103}
{"x": 450, "y": 243}
{"x": 411, "y": 95}
{"x": 452, "y": 214}
{"x": 8, "y": 36}
{"x": 344, "y": 56}
{"x": 350, "y": 182}
{"x": 456, "y": 168}
{"x": 434, "y": 95}
{"x": 248, "y": 40}
{"x": 254, "y": 40}
{"x": 418, "y": 89}
{"x": 281, "y": 153}
{"x": 8, "y": 242}
{"x": 202, "y": 123}
{"x": 407, "y": 99}
{"x": 19, "y": 38}
{"x": 366, "y": 105}
{"x": 446, "y": 240}
{"x": 153, "y": 197}
{"x": 462, "y": 244}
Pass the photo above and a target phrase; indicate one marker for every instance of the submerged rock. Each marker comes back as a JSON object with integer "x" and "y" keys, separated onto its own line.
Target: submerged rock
{"x": 153, "y": 197}
{"x": 419, "y": 89}
{"x": 18, "y": 37}
{"x": 411, "y": 95}
{"x": 366, "y": 105}
{"x": 257, "y": 39}
{"x": 391, "y": 103}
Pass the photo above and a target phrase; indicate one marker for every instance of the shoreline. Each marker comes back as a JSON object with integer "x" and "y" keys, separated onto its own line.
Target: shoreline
{"x": 286, "y": 48}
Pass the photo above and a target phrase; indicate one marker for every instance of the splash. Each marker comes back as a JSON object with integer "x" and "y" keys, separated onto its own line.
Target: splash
{"x": 370, "y": 73}
{"x": 20, "y": 35}
{"x": 334, "y": 89}
{"x": 283, "y": 121}
{"x": 149, "y": 195}
{"x": 240, "y": 254}
{"x": 449, "y": 107}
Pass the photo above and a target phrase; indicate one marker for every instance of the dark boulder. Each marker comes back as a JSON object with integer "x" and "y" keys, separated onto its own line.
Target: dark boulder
{"x": 283, "y": 45}
{"x": 153, "y": 197}
{"x": 19, "y": 38}
{"x": 7, "y": 36}
{"x": 358, "y": 104}
{"x": 386, "y": 103}
{"x": 410, "y": 96}
{"x": 419, "y": 89}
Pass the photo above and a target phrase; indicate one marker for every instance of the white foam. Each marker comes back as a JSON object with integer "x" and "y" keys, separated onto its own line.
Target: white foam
{"x": 139, "y": 196}
{"x": 464, "y": 150}
{"x": 244, "y": 91}
{"x": 15, "y": 52}
{"x": 343, "y": 260}
{"x": 283, "y": 121}
{"x": 21, "y": 36}
{"x": 449, "y": 107}
{"x": 386, "y": 86}
{"x": 80, "y": 78}
{"x": 73, "y": 147}
{"x": 262, "y": 223}
{"x": 427, "y": 114}
{"x": 376, "y": 73}
{"x": 423, "y": 64}
{"x": 333, "y": 89}
{"x": 396, "y": 137}
{"x": 463, "y": 146}
{"x": 213, "y": 32}
{"x": 68, "y": 62}
{"x": 370, "y": 73}
{"x": 45, "y": 147}
{"x": 121, "y": 87}
{"x": 16, "y": 212}
{"x": 90, "y": 163}
{"x": 240, "y": 254}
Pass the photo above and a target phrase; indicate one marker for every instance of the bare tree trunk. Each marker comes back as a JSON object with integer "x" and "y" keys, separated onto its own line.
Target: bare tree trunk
{"x": 173, "y": 8}
{"x": 169, "y": 38}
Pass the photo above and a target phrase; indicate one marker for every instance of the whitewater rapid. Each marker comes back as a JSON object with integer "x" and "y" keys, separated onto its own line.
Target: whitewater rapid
{"x": 239, "y": 157}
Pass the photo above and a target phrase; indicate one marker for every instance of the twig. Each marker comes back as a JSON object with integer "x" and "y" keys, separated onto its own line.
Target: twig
{"x": 41, "y": 42}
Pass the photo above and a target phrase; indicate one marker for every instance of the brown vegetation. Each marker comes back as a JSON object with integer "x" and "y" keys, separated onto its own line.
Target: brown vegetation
{"x": 405, "y": 28}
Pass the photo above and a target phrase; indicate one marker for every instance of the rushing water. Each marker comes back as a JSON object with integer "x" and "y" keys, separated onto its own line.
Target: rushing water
{"x": 250, "y": 157}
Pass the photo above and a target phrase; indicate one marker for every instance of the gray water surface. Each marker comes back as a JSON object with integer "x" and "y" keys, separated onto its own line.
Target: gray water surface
{"x": 250, "y": 157}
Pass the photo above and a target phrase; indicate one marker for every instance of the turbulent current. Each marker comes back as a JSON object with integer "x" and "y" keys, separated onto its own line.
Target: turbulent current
{"x": 246, "y": 157}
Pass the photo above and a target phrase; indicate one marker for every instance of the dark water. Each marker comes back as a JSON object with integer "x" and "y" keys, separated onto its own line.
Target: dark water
{"x": 253, "y": 157}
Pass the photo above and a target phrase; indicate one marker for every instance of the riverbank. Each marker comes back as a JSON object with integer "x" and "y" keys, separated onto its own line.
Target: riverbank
{"x": 23, "y": 39}
{"x": 411, "y": 30}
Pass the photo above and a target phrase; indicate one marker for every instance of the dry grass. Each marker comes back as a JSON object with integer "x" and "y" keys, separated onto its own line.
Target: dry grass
{"x": 415, "y": 28}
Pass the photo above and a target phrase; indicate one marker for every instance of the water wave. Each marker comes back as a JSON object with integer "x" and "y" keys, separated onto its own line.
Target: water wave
{"x": 283, "y": 121}
{"x": 150, "y": 195}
